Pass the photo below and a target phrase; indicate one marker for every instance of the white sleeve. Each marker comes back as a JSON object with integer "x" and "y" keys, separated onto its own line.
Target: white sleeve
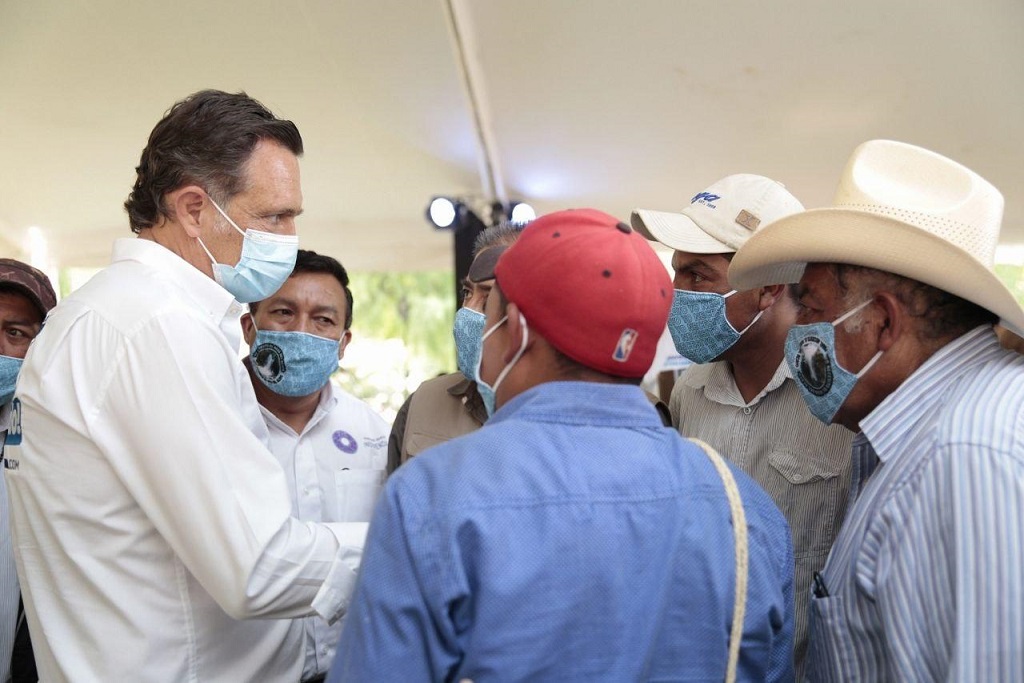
{"x": 168, "y": 418}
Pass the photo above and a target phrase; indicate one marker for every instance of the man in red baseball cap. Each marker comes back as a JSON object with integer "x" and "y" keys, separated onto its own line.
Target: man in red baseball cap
{"x": 573, "y": 537}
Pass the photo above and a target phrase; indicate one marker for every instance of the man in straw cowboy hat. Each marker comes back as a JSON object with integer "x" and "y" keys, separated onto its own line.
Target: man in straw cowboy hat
{"x": 573, "y": 537}
{"x": 895, "y": 340}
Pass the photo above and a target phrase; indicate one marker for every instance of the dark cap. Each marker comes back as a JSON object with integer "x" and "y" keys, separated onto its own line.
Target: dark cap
{"x": 29, "y": 281}
{"x": 482, "y": 267}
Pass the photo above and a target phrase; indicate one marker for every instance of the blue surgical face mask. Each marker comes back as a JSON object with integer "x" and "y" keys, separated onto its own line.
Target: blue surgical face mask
{"x": 811, "y": 354}
{"x": 698, "y": 325}
{"x": 469, "y": 331}
{"x": 293, "y": 363}
{"x": 9, "y": 369}
{"x": 266, "y": 262}
{"x": 487, "y": 392}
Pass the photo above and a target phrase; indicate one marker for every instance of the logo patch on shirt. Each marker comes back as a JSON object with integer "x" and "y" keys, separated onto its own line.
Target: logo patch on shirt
{"x": 268, "y": 362}
{"x": 13, "y": 437}
{"x": 375, "y": 442}
{"x": 345, "y": 442}
{"x": 625, "y": 346}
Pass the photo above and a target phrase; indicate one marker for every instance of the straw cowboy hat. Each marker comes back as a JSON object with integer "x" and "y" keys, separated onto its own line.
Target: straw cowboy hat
{"x": 901, "y": 209}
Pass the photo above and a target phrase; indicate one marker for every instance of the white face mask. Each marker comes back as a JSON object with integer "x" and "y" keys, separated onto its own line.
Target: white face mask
{"x": 266, "y": 262}
{"x": 487, "y": 392}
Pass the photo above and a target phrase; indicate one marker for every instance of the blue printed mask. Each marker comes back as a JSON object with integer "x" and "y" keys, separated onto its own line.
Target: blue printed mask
{"x": 469, "y": 331}
{"x": 700, "y": 330}
{"x": 9, "y": 369}
{"x": 266, "y": 262}
{"x": 487, "y": 392}
{"x": 811, "y": 353}
{"x": 293, "y": 363}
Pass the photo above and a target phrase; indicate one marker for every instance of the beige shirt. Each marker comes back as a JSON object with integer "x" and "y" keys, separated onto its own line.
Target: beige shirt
{"x": 802, "y": 464}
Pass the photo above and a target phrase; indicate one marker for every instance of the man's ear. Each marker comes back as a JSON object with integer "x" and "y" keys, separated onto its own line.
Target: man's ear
{"x": 186, "y": 205}
{"x": 248, "y": 328}
{"x": 769, "y": 295}
{"x": 345, "y": 339}
{"x": 516, "y": 331}
{"x": 892, "y": 321}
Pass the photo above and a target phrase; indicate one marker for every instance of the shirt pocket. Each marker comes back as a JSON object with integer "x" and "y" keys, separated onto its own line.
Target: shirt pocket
{"x": 830, "y": 653}
{"x": 357, "y": 493}
{"x": 808, "y": 493}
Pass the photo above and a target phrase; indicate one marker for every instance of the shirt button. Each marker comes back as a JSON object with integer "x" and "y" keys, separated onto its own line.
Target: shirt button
{"x": 306, "y": 490}
{"x": 748, "y": 410}
{"x": 798, "y": 477}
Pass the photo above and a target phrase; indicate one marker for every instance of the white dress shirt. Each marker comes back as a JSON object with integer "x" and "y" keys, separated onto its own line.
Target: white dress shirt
{"x": 335, "y": 471}
{"x": 149, "y": 518}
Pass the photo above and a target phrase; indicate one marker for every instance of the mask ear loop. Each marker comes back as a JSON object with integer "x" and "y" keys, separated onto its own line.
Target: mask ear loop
{"x": 208, "y": 254}
{"x": 756, "y": 318}
{"x": 226, "y": 217}
{"x": 874, "y": 359}
{"x": 744, "y": 330}
{"x": 519, "y": 354}
{"x": 839, "y": 321}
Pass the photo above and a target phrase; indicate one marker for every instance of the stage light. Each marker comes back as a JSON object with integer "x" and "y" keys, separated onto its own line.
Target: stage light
{"x": 521, "y": 213}
{"x": 442, "y": 212}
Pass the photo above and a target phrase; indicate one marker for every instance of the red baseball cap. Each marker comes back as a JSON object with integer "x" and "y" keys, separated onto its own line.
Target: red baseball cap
{"x": 592, "y": 287}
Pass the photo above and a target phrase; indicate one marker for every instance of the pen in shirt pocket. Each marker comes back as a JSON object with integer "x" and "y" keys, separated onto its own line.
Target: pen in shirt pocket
{"x": 820, "y": 589}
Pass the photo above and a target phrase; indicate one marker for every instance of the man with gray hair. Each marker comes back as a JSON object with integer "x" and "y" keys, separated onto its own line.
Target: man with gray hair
{"x": 895, "y": 340}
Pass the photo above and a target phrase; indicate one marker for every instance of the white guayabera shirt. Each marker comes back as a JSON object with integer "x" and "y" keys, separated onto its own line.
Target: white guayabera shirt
{"x": 151, "y": 522}
{"x": 335, "y": 472}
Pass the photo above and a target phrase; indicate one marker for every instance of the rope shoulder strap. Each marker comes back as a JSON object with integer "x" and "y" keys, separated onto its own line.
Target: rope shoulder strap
{"x": 739, "y": 526}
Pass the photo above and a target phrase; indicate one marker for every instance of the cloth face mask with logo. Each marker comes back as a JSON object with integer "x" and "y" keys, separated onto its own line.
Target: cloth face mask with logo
{"x": 823, "y": 382}
{"x": 266, "y": 262}
{"x": 699, "y": 327}
{"x": 9, "y": 369}
{"x": 293, "y": 363}
{"x": 487, "y": 392}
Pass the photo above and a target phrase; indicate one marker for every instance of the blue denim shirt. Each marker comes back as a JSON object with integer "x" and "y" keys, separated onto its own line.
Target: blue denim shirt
{"x": 572, "y": 538}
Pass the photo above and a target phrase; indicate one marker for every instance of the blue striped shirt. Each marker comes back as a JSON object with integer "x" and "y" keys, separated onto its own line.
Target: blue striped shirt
{"x": 926, "y": 579}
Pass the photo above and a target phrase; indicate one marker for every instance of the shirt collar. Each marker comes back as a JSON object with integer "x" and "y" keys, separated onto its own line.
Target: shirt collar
{"x": 467, "y": 393}
{"x": 893, "y": 420}
{"x": 328, "y": 400}
{"x": 460, "y": 388}
{"x": 209, "y": 297}
{"x": 719, "y": 385}
{"x": 582, "y": 403}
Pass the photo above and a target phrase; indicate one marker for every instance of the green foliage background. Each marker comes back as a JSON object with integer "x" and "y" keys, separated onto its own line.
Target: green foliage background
{"x": 1012, "y": 277}
{"x": 415, "y": 308}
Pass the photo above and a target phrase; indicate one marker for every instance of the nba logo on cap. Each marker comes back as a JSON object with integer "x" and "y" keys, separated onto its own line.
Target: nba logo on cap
{"x": 625, "y": 346}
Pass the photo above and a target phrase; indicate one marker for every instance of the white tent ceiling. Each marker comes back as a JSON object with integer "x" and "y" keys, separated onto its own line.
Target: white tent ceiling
{"x": 586, "y": 103}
